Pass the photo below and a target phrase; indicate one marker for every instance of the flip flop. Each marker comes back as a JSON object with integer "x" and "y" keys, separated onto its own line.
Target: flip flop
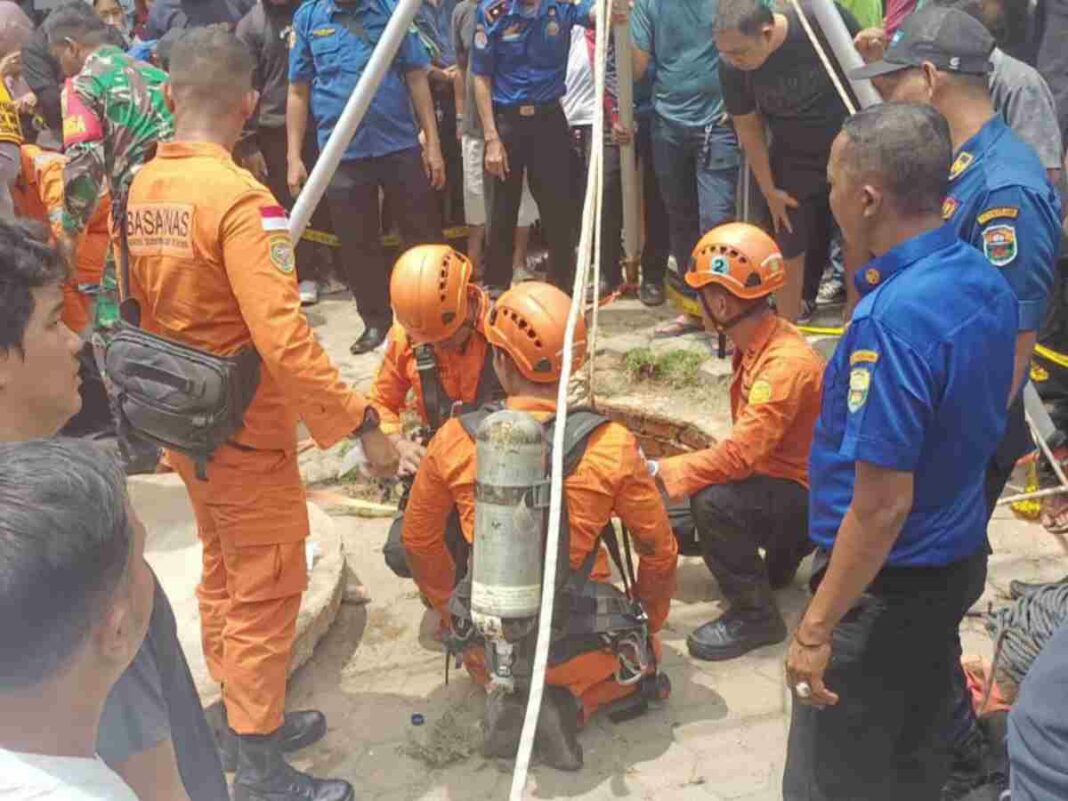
{"x": 683, "y": 324}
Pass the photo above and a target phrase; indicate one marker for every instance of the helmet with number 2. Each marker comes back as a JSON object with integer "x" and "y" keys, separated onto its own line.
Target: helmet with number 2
{"x": 739, "y": 257}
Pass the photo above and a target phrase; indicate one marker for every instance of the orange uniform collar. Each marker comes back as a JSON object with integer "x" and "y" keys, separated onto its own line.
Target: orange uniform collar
{"x": 181, "y": 150}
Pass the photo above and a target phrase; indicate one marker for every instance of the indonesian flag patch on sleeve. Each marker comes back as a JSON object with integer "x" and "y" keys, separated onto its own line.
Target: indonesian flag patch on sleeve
{"x": 274, "y": 218}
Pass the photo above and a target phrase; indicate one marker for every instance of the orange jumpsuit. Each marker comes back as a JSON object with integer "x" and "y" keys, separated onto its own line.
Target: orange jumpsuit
{"x": 612, "y": 478}
{"x": 775, "y": 401}
{"x": 212, "y": 266}
{"x": 458, "y": 372}
{"x": 38, "y": 195}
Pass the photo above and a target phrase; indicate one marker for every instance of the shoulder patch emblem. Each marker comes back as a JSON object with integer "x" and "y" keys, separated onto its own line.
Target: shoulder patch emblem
{"x": 1003, "y": 212}
{"x": 859, "y": 384}
{"x": 999, "y": 245}
{"x": 495, "y": 10}
{"x": 281, "y": 251}
{"x": 760, "y": 392}
{"x": 863, "y": 357}
{"x": 949, "y": 207}
{"x": 872, "y": 276}
{"x": 963, "y": 162}
{"x": 274, "y": 218}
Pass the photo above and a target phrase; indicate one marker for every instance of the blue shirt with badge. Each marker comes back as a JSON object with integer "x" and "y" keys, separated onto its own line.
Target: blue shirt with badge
{"x": 1001, "y": 202}
{"x": 919, "y": 383}
{"x": 332, "y": 43}
{"x": 524, "y": 49}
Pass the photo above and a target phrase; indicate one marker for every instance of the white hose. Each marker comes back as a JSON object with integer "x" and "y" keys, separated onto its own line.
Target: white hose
{"x": 590, "y": 218}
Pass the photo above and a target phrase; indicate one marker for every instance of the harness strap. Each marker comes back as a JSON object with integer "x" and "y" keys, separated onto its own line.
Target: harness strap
{"x": 426, "y": 366}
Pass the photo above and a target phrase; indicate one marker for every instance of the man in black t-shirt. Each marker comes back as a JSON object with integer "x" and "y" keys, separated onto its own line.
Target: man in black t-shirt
{"x": 771, "y": 76}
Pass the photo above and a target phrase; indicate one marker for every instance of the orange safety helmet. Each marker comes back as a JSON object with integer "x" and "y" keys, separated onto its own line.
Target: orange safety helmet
{"x": 528, "y": 323}
{"x": 739, "y": 257}
{"x": 428, "y": 290}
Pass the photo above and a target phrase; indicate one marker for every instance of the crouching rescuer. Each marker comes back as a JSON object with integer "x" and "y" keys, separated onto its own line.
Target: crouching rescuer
{"x": 214, "y": 361}
{"x": 750, "y": 490}
{"x": 492, "y": 467}
{"x": 437, "y": 352}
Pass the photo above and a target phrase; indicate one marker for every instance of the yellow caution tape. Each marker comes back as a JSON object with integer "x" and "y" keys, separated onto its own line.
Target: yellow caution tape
{"x": 389, "y": 241}
{"x": 1029, "y": 509}
{"x": 821, "y": 330}
{"x": 1052, "y": 355}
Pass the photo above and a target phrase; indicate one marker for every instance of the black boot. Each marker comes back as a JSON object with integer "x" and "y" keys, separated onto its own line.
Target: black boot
{"x": 264, "y": 775}
{"x": 753, "y": 621}
{"x": 556, "y": 743}
{"x": 299, "y": 730}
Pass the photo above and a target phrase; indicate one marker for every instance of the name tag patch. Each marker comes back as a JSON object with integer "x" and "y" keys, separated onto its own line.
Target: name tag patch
{"x": 1002, "y": 213}
{"x": 161, "y": 229}
{"x": 320, "y": 33}
{"x": 999, "y": 244}
{"x": 863, "y": 357}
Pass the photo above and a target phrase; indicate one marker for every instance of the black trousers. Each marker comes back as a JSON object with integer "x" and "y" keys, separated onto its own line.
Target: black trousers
{"x": 537, "y": 144}
{"x": 353, "y": 196}
{"x": 734, "y": 520}
{"x": 892, "y": 663}
{"x": 657, "y": 245}
{"x": 612, "y": 210}
{"x": 313, "y": 258}
{"x": 397, "y": 558}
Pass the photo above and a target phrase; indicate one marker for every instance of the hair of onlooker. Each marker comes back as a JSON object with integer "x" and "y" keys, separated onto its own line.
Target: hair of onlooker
{"x": 65, "y": 543}
{"x": 72, "y": 23}
{"x": 27, "y": 262}
{"x": 745, "y": 16}
{"x": 211, "y": 69}
{"x": 906, "y": 148}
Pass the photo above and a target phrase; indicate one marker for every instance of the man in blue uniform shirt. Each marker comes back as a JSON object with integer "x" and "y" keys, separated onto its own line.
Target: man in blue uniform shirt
{"x": 519, "y": 60}
{"x": 332, "y": 44}
{"x": 914, "y": 402}
{"x": 1001, "y": 202}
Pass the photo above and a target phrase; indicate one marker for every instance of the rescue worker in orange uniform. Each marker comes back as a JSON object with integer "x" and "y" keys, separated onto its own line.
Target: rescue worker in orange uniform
{"x": 38, "y": 195}
{"x": 750, "y": 490}
{"x": 526, "y": 330}
{"x": 437, "y": 350}
{"x": 212, "y": 267}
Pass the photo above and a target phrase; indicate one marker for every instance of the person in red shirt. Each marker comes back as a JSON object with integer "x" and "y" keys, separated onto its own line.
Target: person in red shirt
{"x": 526, "y": 329}
{"x": 750, "y": 491}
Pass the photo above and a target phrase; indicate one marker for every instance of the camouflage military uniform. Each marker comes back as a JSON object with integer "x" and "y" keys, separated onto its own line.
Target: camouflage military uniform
{"x": 113, "y": 115}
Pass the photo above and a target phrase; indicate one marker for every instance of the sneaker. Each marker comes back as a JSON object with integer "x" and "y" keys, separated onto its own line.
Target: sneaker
{"x": 309, "y": 293}
{"x": 831, "y": 291}
{"x": 808, "y": 310}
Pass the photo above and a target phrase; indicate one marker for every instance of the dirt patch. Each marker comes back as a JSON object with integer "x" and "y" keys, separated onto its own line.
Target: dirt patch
{"x": 452, "y": 738}
{"x": 383, "y": 626}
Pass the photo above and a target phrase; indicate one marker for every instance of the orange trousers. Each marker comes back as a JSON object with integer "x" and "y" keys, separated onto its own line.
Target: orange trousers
{"x": 253, "y": 522}
{"x": 590, "y": 677}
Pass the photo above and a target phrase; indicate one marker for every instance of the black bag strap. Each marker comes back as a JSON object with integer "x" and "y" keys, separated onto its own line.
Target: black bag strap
{"x": 489, "y": 386}
{"x": 426, "y": 367}
{"x": 129, "y": 308}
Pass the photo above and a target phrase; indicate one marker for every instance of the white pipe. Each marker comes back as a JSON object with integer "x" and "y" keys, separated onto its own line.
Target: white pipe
{"x": 847, "y": 101}
{"x": 628, "y": 169}
{"x": 556, "y": 497}
{"x": 351, "y": 117}
{"x": 838, "y": 37}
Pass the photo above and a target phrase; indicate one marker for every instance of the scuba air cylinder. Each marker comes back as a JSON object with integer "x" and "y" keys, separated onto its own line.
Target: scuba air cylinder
{"x": 511, "y": 506}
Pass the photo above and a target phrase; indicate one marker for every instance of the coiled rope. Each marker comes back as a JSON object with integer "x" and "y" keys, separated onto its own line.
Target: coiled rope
{"x": 1022, "y": 629}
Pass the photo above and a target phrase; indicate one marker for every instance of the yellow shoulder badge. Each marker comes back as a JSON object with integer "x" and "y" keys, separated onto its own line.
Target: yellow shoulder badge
{"x": 859, "y": 384}
{"x": 1001, "y": 213}
{"x": 760, "y": 392}
{"x": 963, "y": 162}
{"x": 949, "y": 207}
{"x": 281, "y": 251}
{"x": 863, "y": 357}
{"x": 495, "y": 10}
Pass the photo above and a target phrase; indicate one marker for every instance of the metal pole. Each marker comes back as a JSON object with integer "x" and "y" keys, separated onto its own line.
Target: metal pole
{"x": 837, "y": 35}
{"x": 628, "y": 170}
{"x": 350, "y": 119}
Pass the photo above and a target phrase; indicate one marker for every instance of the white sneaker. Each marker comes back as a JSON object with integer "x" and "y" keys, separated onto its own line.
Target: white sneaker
{"x": 309, "y": 293}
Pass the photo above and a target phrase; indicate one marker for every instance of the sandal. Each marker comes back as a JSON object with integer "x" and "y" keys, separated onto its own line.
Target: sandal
{"x": 681, "y": 325}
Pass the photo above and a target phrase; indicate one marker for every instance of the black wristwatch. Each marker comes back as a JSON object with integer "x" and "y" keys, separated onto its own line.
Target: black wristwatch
{"x": 371, "y": 422}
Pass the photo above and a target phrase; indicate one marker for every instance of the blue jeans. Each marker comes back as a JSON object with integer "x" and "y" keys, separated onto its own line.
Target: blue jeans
{"x": 697, "y": 169}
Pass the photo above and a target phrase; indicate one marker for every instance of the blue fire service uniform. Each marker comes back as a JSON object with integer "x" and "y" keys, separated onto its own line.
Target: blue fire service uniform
{"x": 332, "y": 45}
{"x": 524, "y": 51}
{"x": 920, "y": 387}
{"x": 1001, "y": 202}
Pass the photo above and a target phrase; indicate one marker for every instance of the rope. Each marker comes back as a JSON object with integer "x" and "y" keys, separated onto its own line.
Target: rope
{"x": 591, "y": 218}
{"x": 842, "y": 93}
{"x": 1023, "y": 628}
